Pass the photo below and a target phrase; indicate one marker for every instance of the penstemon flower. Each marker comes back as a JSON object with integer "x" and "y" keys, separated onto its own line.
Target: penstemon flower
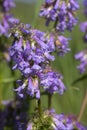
{"x": 61, "y": 12}
{"x": 32, "y": 53}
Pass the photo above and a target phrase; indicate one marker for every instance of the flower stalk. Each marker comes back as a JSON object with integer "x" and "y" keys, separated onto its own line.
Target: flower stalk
{"x": 49, "y": 101}
{"x": 83, "y": 106}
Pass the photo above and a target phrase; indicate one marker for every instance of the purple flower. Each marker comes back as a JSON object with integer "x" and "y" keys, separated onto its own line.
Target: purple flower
{"x": 28, "y": 54}
{"x": 49, "y": 1}
{"x": 6, "y": 23}
{"x": 72, "y": 21}
{"x": 80, "y": 127}
{"x": 33, "y": 88}
{"x": 73, "y": 5}
{"x": 20, "y": 90}
{"x": 61, "y": 13}
{"x": 62, "y": 122}
{"x": 8, "y": 4}
{"x": 29, "y": 127}
{"x": 14, "y": 115}
{"x": 52, "y": 83}
{"x": 55, "y": 122}
{"x": 32, "y": 53}
{"x": 85, "y": 7}
{"x": 62, "y": 45}
{"x": 82, "y": 57}
{"x": 83, "y": 28}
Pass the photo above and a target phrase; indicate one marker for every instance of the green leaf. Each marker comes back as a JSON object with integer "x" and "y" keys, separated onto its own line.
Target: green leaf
{"x": 80, "y": 79}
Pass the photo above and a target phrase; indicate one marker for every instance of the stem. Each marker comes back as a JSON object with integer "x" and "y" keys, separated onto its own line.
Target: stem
{"x": 1, "y": 97}
{"x": 49, "y": 101}
{"x": 55, "y": 24}
{"x": 84, "y": 103}
{"x": 39, "y": 106}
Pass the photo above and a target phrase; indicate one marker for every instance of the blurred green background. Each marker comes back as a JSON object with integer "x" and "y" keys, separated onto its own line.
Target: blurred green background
{"x": 71, "y": 101}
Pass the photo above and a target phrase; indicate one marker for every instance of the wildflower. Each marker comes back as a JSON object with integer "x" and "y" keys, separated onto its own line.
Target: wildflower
{"x": 32, "y": 53}
{"x": 52, "y": 121}
{"x": 61, "y": 13}
{"x": 52, "y": 83}
{"x": 63, "y": 122}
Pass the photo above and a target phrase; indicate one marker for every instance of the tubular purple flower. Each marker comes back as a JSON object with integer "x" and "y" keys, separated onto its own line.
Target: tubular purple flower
{"x": 33, "y": 88}
{"x": 20, "y": 89}
{"x": 72, "y": 21}
{"x": 73, "y": 5}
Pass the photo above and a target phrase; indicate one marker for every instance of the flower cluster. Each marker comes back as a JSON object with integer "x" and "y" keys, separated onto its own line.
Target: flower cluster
{"x": 62, "y": 122}
{"x": 82, "y": 56}
{"x": 13, "y": 115}
{"x": 6, "y": 23}
{"x": 32, "y": 53}
{"x": 6, "y": 20}
{"x": 61, "y": 12}
{"x": 58, "y": 122}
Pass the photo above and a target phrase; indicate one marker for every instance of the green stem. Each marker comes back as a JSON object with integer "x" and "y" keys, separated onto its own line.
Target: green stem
{"x": 1, "y": 96}
{"x": 55, "y": 24}
{"x": 39, "y": 107}
{"x": 49, "y": 101}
